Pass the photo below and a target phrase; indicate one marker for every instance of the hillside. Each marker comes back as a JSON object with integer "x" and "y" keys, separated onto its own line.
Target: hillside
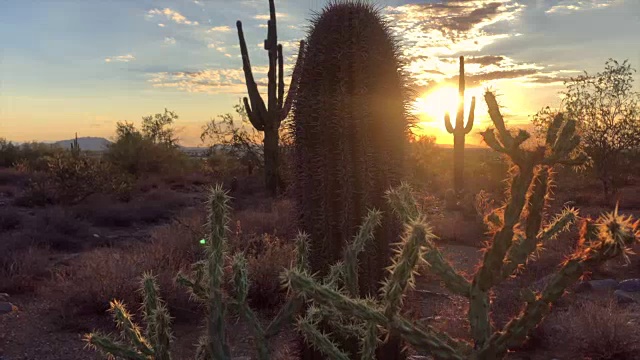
{"x": 86, "y": 143}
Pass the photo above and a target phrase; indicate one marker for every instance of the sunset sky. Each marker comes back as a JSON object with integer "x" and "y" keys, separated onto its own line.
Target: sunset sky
{"x": 81, "y": 66}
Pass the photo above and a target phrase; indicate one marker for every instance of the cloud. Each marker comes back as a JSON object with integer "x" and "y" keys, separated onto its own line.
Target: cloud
{"x": 210, "y": 81}
{"x": 267, "y": 17}
{"x": 571, "y": 6}
{"x": 223, "y": 28}
{"x": 120, "y": 58}
{"x": 484, "y": 60}
{"x": 170, "y": 41}
{"x": 171, "y": 15}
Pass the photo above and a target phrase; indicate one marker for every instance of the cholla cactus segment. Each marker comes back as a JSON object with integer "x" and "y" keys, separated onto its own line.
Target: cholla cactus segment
{"x": 149, "y": 290}
{"x": 559, "y": 224}
{"x": 218, "y": 216}
{"x": 369, "y": 342}
{"x": 111, "y": 348}
{"x": 129, "y": 330}
{"x": 162, "y": 337}
{"x": 364, "y": 235}
{"x": 616, "y": 233}
{"x": 402, "y": 202}
{"x": 455, "y": 282}
{"x": 240, "y": 278}
{"x": 409, "y": 254}
{"x": 302, "y": 251}
{"x": 321, "y": 341}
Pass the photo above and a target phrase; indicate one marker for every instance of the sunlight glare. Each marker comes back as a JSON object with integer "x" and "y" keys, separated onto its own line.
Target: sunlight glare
{"x": 431, "y": 107}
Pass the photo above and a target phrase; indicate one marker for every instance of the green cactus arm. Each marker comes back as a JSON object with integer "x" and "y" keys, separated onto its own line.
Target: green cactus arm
{"x": 403, "y": 203}
{"x": 369, "y": 342}
{"x": 197, "y": 291}
{"x": 525, "y": 245}
{"x": 218, "y": 218}
{"x": 554, "y": 128}
{"x": 452, "y": 280}
{"x": 401, "y": 272}
{"x": 364, "y": 235}
{"x": 302, "y": 251}
{"x": 560, "y": 223}
{"x": 426, "y": 339}
{"x": 149, "y": 291}
{"x": 130, "y": 331}
{"x": 293, "y": 85}
{"x": 257, "y": 111}
{"x": 447, "y": 123}
{"x": 469, "y": 126}
{"x": 321, "y": 341}
{"x": 111, "y": 348}
{"x": 280, "y": 80}
{"x": 241, "y": 288}
{"x": 162, "y": 333}
{"x": 335, "y": 277}
{"x": 303, "y": 284}
{"x": 494, "y": 112}
{"x": 489, "y": 137}
{"x": 285, "y": 315}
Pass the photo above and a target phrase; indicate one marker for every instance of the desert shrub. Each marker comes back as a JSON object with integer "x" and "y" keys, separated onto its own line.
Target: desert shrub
{"x": 139, "y": 153}
{"x": 267, "y": 256}
{"x": 22, "y": 269}
{"x": 107, "y": 273}
{"x": 596, "y": 330}
{"x": 274, "y": 218}
{"x": 58, "y": 229}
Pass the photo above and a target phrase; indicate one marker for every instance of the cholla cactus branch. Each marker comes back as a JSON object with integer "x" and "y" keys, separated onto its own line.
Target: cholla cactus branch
{"x": 455, "y": 282}
{"x": 149, "y": 291}
{"x": 403, "y": 203}
{"x": 401, "y": 273}
{"x": 112, "y": 348}
{"x": 161, "y": 338}
{"x": 130, "y": 331}
{"x": 364, "y": 236}
{"x": 320, "y": 340}
{"x": 369, "y": 342}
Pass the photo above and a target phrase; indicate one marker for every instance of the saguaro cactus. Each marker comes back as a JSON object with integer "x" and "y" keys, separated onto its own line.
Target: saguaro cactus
{"x": 459, "y": 132}
{"x": 75, "y": 147}
{"x": 350, "y": 136}
{"x": 268, "y": 118}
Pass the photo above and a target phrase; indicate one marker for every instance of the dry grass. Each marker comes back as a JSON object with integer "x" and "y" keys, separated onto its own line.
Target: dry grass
{"x": 596, "y": 330}
{"x": 276, "y": 218}
{"x": 22, "y": 270}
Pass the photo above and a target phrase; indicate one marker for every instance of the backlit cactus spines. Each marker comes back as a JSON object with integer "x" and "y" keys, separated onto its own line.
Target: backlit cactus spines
{"x": 267, "y": 118}
{"x": 459, "y": 132}
{"x": 518, "y": 230}
{"x": 154, "y": 344}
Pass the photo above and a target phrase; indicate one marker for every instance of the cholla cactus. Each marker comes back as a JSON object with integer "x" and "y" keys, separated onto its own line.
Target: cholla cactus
{"x": 206, "y": 285}
{"x": 517, "y": 232}
{"x": 153, "y": 344}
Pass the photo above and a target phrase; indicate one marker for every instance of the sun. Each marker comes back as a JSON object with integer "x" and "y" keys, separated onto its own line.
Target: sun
{"x": 432, "y": 107}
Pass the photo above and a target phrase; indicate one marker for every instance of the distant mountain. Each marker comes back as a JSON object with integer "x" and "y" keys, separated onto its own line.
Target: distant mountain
{"x": 86, "y": 143}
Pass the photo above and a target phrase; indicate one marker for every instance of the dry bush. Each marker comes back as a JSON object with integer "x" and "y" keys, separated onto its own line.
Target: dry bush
{"x": 104, "y": 274}
{"x": 11, "y": 176}
{"x": 276, "y": 218}
{"x": 21, "y": 270}
{"x": 596, "y": 330}
{"x": 267, "y": 257}
{"x": 58, "y": 229}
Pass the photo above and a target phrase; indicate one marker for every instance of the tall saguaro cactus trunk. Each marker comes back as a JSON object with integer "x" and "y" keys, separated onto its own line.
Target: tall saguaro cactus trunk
{"x": 350, "y": 134}
{"x": 267, "y": 118}
{"x": 459, "y": 132}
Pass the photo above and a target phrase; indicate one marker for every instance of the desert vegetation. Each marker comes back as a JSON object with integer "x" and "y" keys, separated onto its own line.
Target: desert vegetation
{"x": 320, "y": 225}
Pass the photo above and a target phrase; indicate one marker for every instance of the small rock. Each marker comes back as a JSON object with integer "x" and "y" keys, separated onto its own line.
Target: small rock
{"x": 6, "y": 307}
{"x": 630, "y": 285}
{"x": 96, "y": 236}
{"x": 623, "y": 297}
{"x": 597, "y": 285}
{"x": 4, "y": 297}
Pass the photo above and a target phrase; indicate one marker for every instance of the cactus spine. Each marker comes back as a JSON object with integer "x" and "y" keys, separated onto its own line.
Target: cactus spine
{"x": 517, "y": 231}
{"x": 459, "y": 132}
{"x": 206, "y": 286}
{"x": 268, "y": 118}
